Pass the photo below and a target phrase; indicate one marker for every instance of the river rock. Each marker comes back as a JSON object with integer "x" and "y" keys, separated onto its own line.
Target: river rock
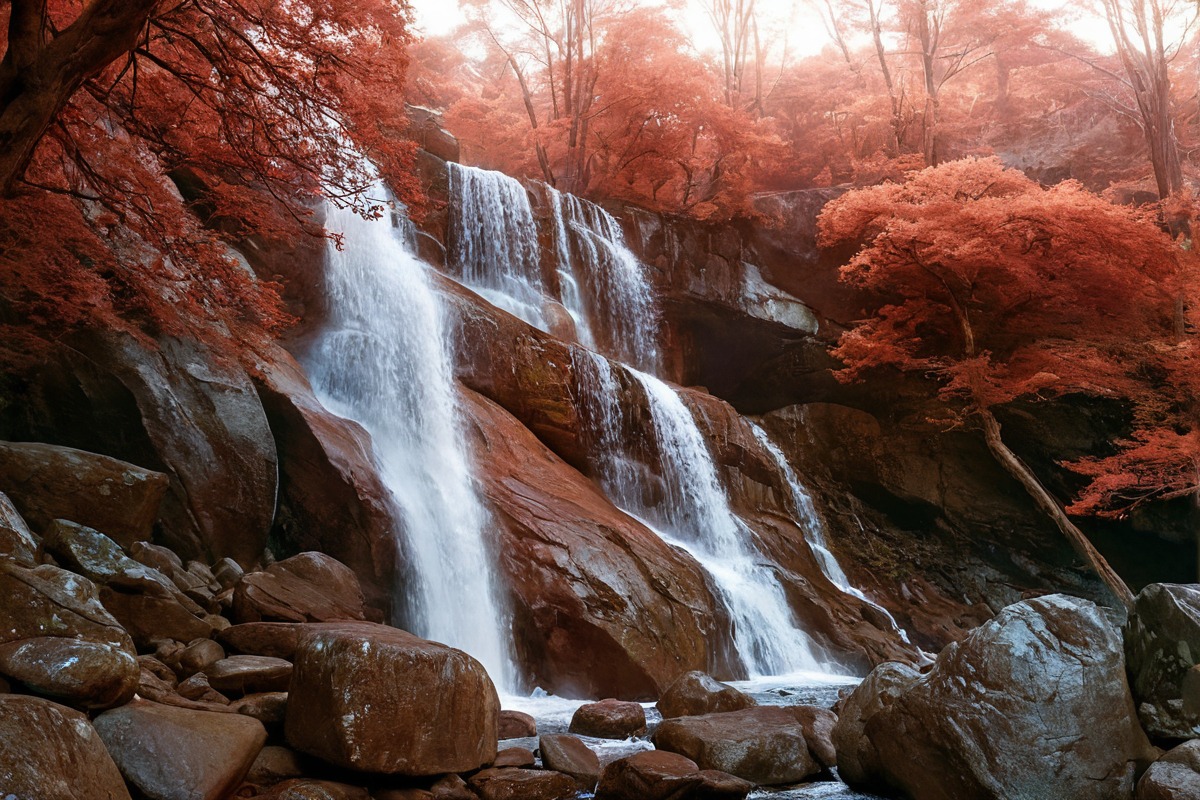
{"x": 990, "y": 718}
{"x": 523, "y": 784}
{"x": 60, "y": 641}
{"x": 198, "y": 656}
{"x": 169, "y": 753}
{"x": 47, "y": 482}
{"x": 249, "y": 674}
{"x": 98, "y": 558}
{"x": 764, "y": 745}
{"x": 378, "y": 699}
{"x": 269, "y": 708}
{"x": 818, "y": 724}
{"x": 50, "y": 752}
{"x": 516, "y": 725}
{"x": 515, "y": 757}
{"x": 272, "y": 639}
{"x": 650, "y": 775}
{"x": 1175, "y": 776}
{"x": 694, "y": 693}
{"x": 151, "y": 618}
{"x": 1162, "y": 643}
{"x": 16, "y": 540}
{"x": 568, "y": 754}
{"x": 609, "y": 719}
{"x": 198, "y": 688}
{"x": 310, "y": 789}
{"x": 310, "y": 587}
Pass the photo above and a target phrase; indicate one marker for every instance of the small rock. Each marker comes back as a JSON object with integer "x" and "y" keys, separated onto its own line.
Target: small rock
{"x": 167, "y": 752}
{"x": 522, "y": 784}
{"x": 275, "y": 764}
{"x": 609, "y": 719}
{"x": 310, "y": 587}
{"x": 451, "y": 787}
{"x": 197, "y": 688}
{"x": 516, "y": 725}
{"x": 204, "y": 575}
{"x": 695, "y": 693}
{"x": 568, "y": 754}
{"x": 1175, "y": 776}
{"x": 198, "y": 656}
{"x": 515, "y": 757}
{"x": 227, "y": 572}
{"x": 50, "y": 752}
{"x": 272, "y": 639}
{"x": 249, "y": 674}
{"x": 158, "y": 669}
{"x": 650, "y": 775}
{"x": 158, "y": 557}
{"x": 269, "y": 708}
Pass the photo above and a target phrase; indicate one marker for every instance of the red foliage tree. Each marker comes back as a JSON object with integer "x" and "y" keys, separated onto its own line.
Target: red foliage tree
{"x": 1000, "y": 289}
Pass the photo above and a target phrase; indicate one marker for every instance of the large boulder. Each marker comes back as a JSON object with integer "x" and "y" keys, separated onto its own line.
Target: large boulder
{"x": 309, "y": 587}
{"x": 991, "y": 717}
{"x": 50, "y": 752}
{"x": 171, "y": 753}
{"x": 765, "y": 745}
{"x": 694, "y": 693}
{"x": 98, "y": 558}
{"x": 47, "y": 482}
{"x": 378, "y": 699}
{"x": 568, "y": 754}
{"x": 58, "y": 639}
{"x": 510, "y": 783}
{"x": 601, "y": 605}
{"x": 1175, "y": 776}
{"x": 16, "y": 540}
{"x": 609, "y": 719}
{"x": 659, "y": 775}
{"x": 1162, "y": 643}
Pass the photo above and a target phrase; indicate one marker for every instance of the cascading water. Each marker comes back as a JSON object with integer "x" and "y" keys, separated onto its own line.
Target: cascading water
{"x": 492, "y": 246}
{"x": 382, "y": 361}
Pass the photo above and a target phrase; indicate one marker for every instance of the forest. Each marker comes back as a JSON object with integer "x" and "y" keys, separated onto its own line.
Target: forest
{"x": 565, "y": 398}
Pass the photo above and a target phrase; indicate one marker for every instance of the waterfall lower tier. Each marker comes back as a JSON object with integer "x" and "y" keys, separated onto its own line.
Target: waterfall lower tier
{"x": 693, "y": 513}
{"x": 382, "y": 360}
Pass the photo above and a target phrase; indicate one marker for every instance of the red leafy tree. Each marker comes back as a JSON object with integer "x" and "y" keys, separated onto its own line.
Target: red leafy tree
{"x": 1000, "y": 289}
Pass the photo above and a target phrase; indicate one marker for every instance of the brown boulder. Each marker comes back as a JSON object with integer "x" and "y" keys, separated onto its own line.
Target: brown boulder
{"x": 764, "y": 745}
{"x": 50, "y": 752}
{"x": 199, "y": 656}
{"x": 522, "y": 784}
{"x": 99, "y": 559}
{"x": 650, "y": 775}
{"x": 515, "y": 757}
{"x": 167, "y": 752}
{"x": 16, "y": 540}
{"x": 990, "y": 718}
{"x": 568, "y": 754}
{"x": 609, "y": 719}
{"x": 309, "y": 789}
{"x": 378, "y": 699}
{"x": 47, "y": 482}
{"x": 249, "y": 674}
{"x": 269, "y": 708}
{"x": 516, "y": 725}
{"x": 310, "y": 587}
{"x": 60, "y": 641}
{"x": 150, "y": 618}
{"x": 272, "y": 639}
{"x": 694, "y": 693}
{"x": 1175, "y": 776}
{"x": 275, "y": 764}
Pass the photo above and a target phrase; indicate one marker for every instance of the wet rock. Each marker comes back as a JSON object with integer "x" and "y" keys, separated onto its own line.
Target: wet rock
{"x": 1175, "y": 776}
{"x": 197, "y": 688}
{"x": 16, "y": 540}
{"x": 228, "y": 572}
{"x": 764, "y": 745}
{"x": 199, "y": 656}
{"x": 60, "y": 641}
{"x": 162, "y": 559}
{"x": 149, "y": 618}
{"x": 271, "y": 639}
{"x": 50, "y": 752}
{"x": 514, "y": 757}
{"x": 451, "y": 787}
{"x": 990, "y": 719}
{"x": 516, "y": 725}
{"x": 98, "y": 558}
{"x": 378, "y": 699}
{"x": 425, "y": 128}
{"x": 650, "y": 775}
{"x": 818, "y": 724}
{"x": 167, "y": 752}
{"x": 310, "y": 587}
{"x": 609, "y": 719}
{"x": 269, "y": 708}
{"x": 717, "y": 785}
{"x": 275, "y": 764}
{"x": 522, "y": 784}
{"x": 153, "y": 687}
{"x": 249, "y": 674}
{"x": 568, "y": 754}
{"x": 1162, "y": 643}
{"x": 46, "y": 482}
{"x": 697, "y": 693}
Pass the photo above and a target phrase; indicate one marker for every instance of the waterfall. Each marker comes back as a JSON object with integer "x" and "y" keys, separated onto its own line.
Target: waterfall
{"x": 814, "y": 528}
{"x": 382, "y": 360}
{"x": 492, "y": 245}
{"x": 694, "y": 515}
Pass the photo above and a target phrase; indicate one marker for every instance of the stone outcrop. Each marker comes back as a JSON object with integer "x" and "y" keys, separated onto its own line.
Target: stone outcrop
{"x": 991, "y": 718}
{"x": 60, "y": 641}
{"x": 1162, "y": 644}
{"x": 765, "y": 745}
{"x": 377, "y": 699}
{"x": 309, "y": 587}
{"x": 50, "y": 752}
{"x": 695, "y": 693}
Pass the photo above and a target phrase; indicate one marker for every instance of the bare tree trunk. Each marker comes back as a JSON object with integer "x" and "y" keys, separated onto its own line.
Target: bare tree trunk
{"x": 881, "y": 55}
{"x": 531, "y": 112}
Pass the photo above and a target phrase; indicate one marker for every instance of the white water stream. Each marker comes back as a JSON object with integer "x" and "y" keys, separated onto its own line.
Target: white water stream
{"x": 383, "y": 361}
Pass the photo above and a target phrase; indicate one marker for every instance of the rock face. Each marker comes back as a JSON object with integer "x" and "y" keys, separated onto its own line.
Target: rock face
{"x": 171, "y": 753}
{"x": 627, "y": 615}
{"x": 377, "y": 699}
{"x": 310, "y": 587}
{"x": 990, "y": 719}
{"x": 60, "y": 641}
{"x": 47, "y": 482}
{"x": 609, "y": 719}
{"x": 1162, "y": 643}
{"x": 1175, "y": 776}
{"x": 50, "y": 752}
{"x": 765, "y": 746}
{"x": 696, "y": 693}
